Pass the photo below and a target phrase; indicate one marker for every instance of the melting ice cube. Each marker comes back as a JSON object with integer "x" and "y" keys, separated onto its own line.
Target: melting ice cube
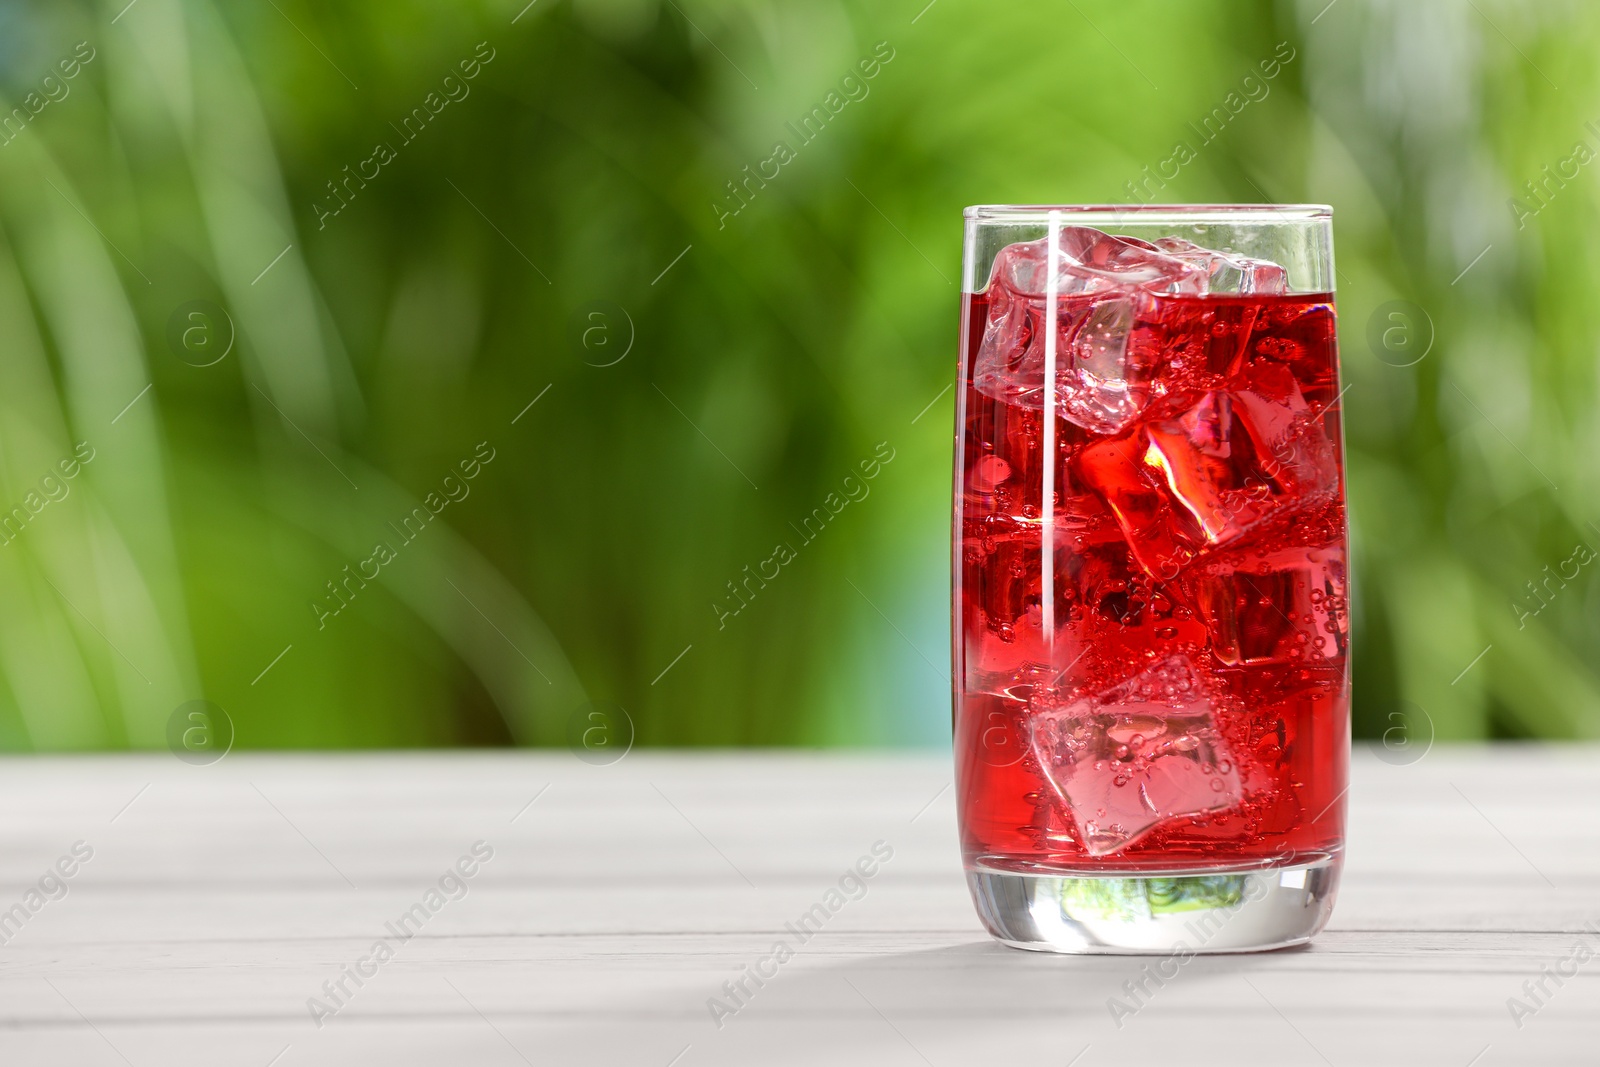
{"x": 1288, "y": 606}
{"x": 1185, "y": 486}
{"x": 1228, "y": 272}
{"x": 1109, "y": 333}
{"x": 1105, "y": 285}
{"x": 1091, "y": 261}
{"x": 1129, "y": 758}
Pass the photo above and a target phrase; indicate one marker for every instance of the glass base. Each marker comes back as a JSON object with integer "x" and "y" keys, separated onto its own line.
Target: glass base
{"x": 1180, "y": 913}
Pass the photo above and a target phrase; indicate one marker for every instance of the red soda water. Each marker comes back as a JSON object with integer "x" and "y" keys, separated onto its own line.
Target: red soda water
{"x": 1152, "y": 596}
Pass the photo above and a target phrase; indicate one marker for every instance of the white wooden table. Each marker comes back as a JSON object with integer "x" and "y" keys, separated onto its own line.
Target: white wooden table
{"x": 219, "y": 899}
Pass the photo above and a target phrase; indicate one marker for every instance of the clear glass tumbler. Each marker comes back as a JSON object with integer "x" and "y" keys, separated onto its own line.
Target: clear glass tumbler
{"x": 1151, "y": 595}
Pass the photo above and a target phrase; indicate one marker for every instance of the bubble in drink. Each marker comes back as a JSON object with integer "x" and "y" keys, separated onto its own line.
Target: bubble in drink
{"x": 1118, "y": 792}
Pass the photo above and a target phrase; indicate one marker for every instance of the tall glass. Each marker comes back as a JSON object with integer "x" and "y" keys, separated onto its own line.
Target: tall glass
{"x": 1151, "y": 595}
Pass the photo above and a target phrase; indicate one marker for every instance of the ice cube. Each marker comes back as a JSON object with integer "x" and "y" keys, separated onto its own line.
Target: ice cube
{"x": 1001, "y": 561}
{"x": 1236, "y": 459}
{"x": 1205, "y": 350}
{"x": 1092, "y": 261}
{"x": 1227, "y": 272}
{"x": 1100, "y": 385}
{"x": 1107, "y": 285}
{"x": 1130, "y": 758}
{"x": 1289, "y": 434}
{"x": 1160, "y": 537}
{"x": 1288, "y": 606}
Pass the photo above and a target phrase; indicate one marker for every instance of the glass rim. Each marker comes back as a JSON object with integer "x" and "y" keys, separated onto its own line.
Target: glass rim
{"x": 1150, "y": 213}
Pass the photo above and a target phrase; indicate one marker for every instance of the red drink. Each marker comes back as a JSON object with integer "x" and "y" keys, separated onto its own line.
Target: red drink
{"x": 1151, "y": 588}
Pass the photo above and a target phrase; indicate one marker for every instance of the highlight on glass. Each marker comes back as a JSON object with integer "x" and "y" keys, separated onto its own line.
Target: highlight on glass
{"x": 1151, "y": 591}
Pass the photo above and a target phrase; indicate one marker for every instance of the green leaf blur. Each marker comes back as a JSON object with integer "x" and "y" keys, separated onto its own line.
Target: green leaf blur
{"x": 562, "y": 235}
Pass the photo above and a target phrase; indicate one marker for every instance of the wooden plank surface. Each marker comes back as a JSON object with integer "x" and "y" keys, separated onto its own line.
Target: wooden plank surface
{"x": 218, "y": 901}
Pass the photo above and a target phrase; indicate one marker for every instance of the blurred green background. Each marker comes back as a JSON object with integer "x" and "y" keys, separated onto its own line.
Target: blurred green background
{"x": 288, "y": 271}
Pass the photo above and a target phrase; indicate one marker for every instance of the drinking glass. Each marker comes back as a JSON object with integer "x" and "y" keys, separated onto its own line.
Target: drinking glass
{"x": 1151, "y": 596}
